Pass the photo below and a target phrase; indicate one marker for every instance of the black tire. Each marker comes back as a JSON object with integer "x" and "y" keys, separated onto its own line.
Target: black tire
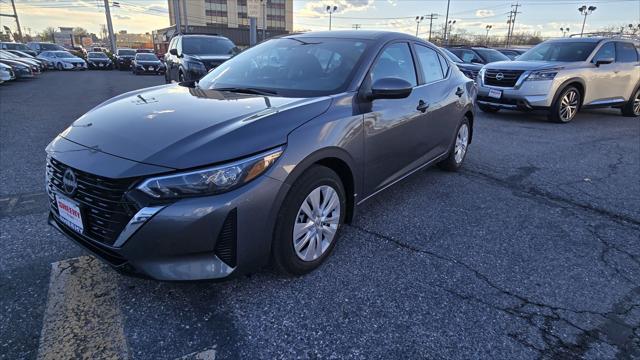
{"x": 59, "y": 66}
{"x": 166, "y": 78}
{"x": 450, "y": 163}
{"x": 632, "y": 107}
{"x": 285, "y": 259}
{"x": 555, "y": 110}
{"x": 488, "y": 109}
{"x": 180, "y": 76}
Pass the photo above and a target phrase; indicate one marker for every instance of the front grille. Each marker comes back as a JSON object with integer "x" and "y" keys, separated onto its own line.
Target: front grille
{"x": 104, "y": 208}
{"x": 509, "y": 77}
{"x": 226, "y": 244}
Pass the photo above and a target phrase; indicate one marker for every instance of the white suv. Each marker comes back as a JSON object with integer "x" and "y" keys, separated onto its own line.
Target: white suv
{"x": 563, "y": 76}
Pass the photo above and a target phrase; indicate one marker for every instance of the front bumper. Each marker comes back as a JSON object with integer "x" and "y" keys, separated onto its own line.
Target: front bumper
{"x": 527, "y": 95}
{"x": 100, "y": 65}
{"x": 211, "y": 237}
{"x": 147, "y": 70}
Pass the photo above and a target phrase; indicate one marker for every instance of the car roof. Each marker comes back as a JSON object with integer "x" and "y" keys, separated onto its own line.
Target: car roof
{"x": 203, "y": 35}
{"x": 355, "y": 34}
{"x": 582, "y": 39}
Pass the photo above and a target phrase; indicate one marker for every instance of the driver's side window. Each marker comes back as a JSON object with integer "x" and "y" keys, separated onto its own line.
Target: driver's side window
{"x": 395, "y": 62}
{"x": 607, "y": 51}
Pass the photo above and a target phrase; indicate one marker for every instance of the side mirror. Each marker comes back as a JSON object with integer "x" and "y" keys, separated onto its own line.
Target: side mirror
{"x": 173, "y": 52}
{"x": 390, "y": 88}
{"x": 604, "y": 61}
{"x": 476, "y": 61}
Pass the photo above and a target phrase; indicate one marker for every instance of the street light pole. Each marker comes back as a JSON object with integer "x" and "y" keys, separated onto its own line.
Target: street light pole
{"x": 488, "y": 27}
{"x": 418, "y": 20}
{"x": 446, "y": 21}
{"x": 331, "y": 10}
{"x": 450, "y": 26}
{"x": 584, "y": 10}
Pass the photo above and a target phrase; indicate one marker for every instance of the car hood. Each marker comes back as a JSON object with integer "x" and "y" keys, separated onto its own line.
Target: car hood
{"x": 181, "y": 127}
{"x": 530, "y": 65}
{"x": 148, "y": 62}
{"x": 73, "y": 59}
{"x": 99, "y": 59}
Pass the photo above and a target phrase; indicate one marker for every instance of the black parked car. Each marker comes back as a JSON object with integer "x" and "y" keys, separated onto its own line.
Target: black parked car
{"x": 477, "y": 54}
{"x": 99, "y": 60}
{"x": 190, "y": 57}
{"x": 511, "y": 53}
{"x": 145, "y": 63}
{"x": 261, "y": 161}
{"x": 21, "y": 70}
{"x": 17, "y": 46}
{"x": 124, "y": 57}
{"x": 470, "y": 70}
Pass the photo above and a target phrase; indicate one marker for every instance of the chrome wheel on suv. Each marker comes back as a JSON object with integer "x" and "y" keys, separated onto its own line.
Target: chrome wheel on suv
{"x": 316, "y": 223}
{"x": 632, "y": 107}
{"x": 566, "y": 106}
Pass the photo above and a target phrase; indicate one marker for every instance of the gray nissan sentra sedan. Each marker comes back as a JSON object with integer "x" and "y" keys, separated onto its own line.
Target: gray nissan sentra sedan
{"x": 260, "y": 162}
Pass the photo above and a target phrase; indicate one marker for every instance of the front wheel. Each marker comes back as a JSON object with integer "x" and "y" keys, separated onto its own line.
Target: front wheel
{"x": 59, "y": 66}
{"x": 309, "y": 221}
{"x": 566, "y": 106}
{"x": 454, "y": 161}
{"x": 632, "y": 107}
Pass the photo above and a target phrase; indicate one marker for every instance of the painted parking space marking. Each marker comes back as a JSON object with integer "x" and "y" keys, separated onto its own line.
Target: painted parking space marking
{"x": 24, "y": 204}
{"x": 82, "y": 318}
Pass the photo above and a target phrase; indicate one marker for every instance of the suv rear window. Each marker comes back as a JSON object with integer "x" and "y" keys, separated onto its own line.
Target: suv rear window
{"x": 204, "y": 45}
{"x": 626, "y": 52}
{"x": 560, "y": 51}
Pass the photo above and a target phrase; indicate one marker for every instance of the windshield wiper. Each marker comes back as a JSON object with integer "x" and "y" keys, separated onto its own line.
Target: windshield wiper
{"x": 247, "y": 90}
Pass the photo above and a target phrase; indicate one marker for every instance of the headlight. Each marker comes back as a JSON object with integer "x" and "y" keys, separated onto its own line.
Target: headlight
{"x": 542, "y": 75}
{"x": 210, "y": 181}
{"x": 197, "y": 66}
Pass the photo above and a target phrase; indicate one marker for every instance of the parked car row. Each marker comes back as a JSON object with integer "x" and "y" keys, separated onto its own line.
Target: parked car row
{"x": 19, "y": 65}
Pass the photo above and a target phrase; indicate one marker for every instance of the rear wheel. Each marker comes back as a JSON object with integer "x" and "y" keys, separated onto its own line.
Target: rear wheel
{"x": 632, "y": 107}
{"x": 454, "y": 161}
{"x": 566, "y": 106}
{"x": 309, "y": 221}
{"x": 488, "y": 109}
{"x": 59, "y": 66}
{"x": 180, "y": 77}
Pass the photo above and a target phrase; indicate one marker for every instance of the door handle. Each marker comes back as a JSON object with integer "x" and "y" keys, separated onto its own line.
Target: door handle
{"x": 459, "y": 92}
{"x": 422, "y": 106}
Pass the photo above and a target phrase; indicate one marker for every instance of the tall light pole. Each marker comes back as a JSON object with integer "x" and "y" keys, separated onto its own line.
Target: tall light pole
{"x": 564, "y": 31}
{"x": 331, "y": 10}
{"x": 446, "y": 20}
{"x": 450, "y": 26}
{"x": 418, "y": 21}
{"x": 488, "y": 27}
{"x": 584, "y": 10}
{"x": 112, "y": 38}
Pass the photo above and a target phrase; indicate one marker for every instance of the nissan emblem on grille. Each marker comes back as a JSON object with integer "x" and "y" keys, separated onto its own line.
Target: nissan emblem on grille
{"x": 499, "y": 76}
{"x": 69, "y": 182}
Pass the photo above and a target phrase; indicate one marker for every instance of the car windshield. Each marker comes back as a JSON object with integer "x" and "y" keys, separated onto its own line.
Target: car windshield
{"x": 146, "y": 57}
{"x": 291, "y": 67}
{"x": 491, "y": 55}
{"x": 45, "y": 46}
{"x": 97, "y": 55}
{"x": 127, "y": 52}
{"x": 451, "y": 55}
{"x": 206, "y": 45}
{"x": 16, "y": 46}
{"x": 63, "y": 54}
{"x": 559, "y": 51}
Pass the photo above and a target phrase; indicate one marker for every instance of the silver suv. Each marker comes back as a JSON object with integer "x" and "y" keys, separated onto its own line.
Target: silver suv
{"x": 563, "y": 76}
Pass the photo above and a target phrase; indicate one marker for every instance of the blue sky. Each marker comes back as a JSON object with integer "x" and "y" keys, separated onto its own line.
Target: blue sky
{"x": 545, "y": 16}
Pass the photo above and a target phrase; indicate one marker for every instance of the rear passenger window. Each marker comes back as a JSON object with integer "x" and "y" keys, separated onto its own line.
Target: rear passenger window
{"x": 626, "y": 52}
{"x": 431, "y": 68}
{"x": 444, "y": 64}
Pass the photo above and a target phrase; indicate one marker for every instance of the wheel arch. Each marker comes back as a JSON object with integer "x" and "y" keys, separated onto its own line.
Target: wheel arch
{"x": 578, "y": 83}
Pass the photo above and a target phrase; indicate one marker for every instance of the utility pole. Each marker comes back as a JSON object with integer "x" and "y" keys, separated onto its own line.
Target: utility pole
{"x": 112, "y": 38}
{"x": 513, "y": 21}
{"x": 431, "y": 17}
{"x": 446, "y": 20}
{"x": 186, "y": 18}
{"x": 264, "y": 20}
{"x": 15, "y": 16}
{"x": 509, "y": 27}
{"x": 356, "y": 26}
{"x": 176, "y": 13}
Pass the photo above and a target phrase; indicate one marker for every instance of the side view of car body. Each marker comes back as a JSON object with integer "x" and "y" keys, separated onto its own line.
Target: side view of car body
{"x": 35, "y": 66}
{"x": 20, "y": 69}
{"x": 43, "y": 64}
{"x": 562, "y": 76}
{"x": 63, "y": 60}
{"x": 263, "y": 160}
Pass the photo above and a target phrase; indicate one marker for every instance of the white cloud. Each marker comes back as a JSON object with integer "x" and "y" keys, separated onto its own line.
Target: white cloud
{"x": 484, "y": 13}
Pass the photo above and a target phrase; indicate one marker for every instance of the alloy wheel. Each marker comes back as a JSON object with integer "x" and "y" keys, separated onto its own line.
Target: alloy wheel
{"x": 636, "y": 104}
{"x": 569, "y": 105}
{"x": 462, "y": 141}
{"x": 316, "y": 223}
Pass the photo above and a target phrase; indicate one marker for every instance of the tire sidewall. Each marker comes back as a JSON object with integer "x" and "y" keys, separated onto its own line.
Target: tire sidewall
{"x": 284, "y": 252}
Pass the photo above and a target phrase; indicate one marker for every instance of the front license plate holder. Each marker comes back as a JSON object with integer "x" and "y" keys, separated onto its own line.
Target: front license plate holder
{"x": 496, "y": 94}
{"x": 70, "y": 213}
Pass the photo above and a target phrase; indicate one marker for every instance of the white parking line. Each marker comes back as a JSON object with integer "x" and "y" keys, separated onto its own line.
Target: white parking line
{"x": 209, "y": 354}
{"x": 82, "y": 318}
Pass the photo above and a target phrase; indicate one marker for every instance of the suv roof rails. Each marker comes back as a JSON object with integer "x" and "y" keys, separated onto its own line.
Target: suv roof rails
{"x": 608, "y": 35}
{"x": 196, "y": 33}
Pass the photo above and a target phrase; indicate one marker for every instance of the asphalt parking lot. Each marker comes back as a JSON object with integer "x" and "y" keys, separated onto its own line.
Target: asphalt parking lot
{"x": 531, "y": 251}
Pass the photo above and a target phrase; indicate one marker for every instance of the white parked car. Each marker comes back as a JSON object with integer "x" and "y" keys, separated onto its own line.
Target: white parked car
{"x": 6, "y": 73}
{"x": 63, "y": 60}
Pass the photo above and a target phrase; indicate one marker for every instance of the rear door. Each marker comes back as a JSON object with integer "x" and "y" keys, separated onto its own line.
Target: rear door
{"x": 604, "y": 83}
{"x": 628, "y": 66}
